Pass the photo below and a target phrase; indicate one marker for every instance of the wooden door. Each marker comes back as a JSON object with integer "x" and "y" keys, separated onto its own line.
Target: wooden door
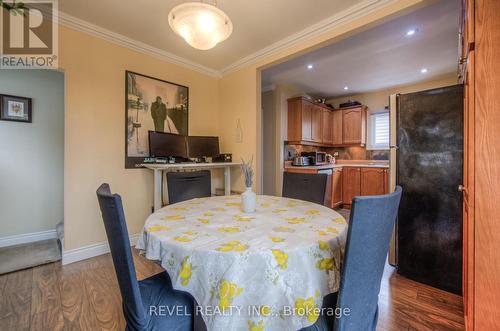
{"x": 373, "y": 181}
{"x": 351, "y": 184}
{"x": 307, "y": 111}
{"x": 316, "y": 126}
{"x": 337, "y": 127}
{"x": 485, "y": 153}
{"x": 327, "y": 126}
{"x": 353, "y": 126}
{"x": 336, "y": 187}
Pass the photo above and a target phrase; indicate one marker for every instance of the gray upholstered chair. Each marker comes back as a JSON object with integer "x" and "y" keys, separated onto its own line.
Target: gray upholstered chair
{"x": 370, "y": 227}
{"x": 138, "y": 296}
{"x": 307, "y": 187}
{"x": 188, "y": 185}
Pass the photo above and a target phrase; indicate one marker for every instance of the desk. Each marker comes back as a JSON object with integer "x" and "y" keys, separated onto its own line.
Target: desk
{"x": 158, "y": 170}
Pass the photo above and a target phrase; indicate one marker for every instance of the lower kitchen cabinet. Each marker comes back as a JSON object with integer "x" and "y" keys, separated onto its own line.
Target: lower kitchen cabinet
{"x": 363, "y": 181}
{"x": 374, "y": 181}
{"x": 336, "y": 188}
{"x": 351, "y": 184}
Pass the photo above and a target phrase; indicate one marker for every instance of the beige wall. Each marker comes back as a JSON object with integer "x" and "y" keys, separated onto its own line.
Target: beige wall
{"x": 94, "y": 139}
{"x": 269, "y": 109}
{"x": 31, "y": 154}
{"x": 377, "y": 100}
{"x": 240, "y": 90}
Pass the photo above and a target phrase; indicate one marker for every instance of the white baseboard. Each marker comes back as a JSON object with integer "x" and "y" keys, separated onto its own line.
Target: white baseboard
{"x": 86, "y": 252}
{"x": 27, "y": 238}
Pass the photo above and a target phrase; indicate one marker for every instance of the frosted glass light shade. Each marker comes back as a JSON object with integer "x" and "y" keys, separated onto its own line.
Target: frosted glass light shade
{"x": 201, "y": 25}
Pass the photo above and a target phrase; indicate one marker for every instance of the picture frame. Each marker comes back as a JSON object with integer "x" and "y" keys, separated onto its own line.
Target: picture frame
{"x": 15, "y": 108}
{"x": 151, "y": 104}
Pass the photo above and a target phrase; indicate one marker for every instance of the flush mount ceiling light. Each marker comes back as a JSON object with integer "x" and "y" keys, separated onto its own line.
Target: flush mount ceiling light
{"x": 346, "y": 88}
{"x": 310, "y": 66}
{"x": 200, "y": 24}
{"x": 424, "y": 70}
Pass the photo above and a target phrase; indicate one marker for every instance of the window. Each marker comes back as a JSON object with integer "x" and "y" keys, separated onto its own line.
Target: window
{"x": 378, "y": 130}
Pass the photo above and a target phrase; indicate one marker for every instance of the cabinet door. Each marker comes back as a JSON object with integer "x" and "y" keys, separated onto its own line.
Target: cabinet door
{"x": 327, "y": 126}
{"x": 373, "y": 181}
{"x": 307, "y": 109}
{"x": 336, "y": 188}
{"x": 317, "y": 129}
{"x": 351, "y": 184}
{"x": 354, "y": 128}
{"x": 337, "y": 127}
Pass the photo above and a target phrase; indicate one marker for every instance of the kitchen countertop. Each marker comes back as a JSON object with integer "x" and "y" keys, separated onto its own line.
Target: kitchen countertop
{"x": 341, "y": 164}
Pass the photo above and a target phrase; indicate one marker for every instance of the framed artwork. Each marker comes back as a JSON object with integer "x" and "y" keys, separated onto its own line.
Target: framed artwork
{"x": 151, "y": 104}
{"x": 14, "y": 108}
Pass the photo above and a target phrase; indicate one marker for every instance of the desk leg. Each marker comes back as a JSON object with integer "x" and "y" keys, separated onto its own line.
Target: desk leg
{"x": 158, "y": 188}
{"x": 227, "y": 180}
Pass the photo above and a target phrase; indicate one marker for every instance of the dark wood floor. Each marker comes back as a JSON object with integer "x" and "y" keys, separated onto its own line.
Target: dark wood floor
{"x": 85, "y": 296}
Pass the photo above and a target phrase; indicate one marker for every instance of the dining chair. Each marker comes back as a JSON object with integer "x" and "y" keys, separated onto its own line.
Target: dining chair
{"x": 307, "y": 187}
{"x": 142, "y": 300}
{"x": 370, "y": 228}
{"x": 188, "y": 185}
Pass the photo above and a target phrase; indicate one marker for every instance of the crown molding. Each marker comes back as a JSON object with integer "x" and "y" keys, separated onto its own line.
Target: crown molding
{"x": 118, "y": 39}
{"x": 354, "y": 12}
{"x": 359, "y": 10}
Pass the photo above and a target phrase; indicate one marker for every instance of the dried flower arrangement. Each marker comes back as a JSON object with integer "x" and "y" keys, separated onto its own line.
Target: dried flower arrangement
{"x": 246, "y": 167}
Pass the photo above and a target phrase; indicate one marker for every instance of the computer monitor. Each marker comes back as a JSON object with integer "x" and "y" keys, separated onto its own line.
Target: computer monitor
{"x": 201, "y": 146}
{"x": 167, "y": 144}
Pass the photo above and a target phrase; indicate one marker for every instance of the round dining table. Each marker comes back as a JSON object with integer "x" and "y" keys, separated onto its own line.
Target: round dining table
{"x": 266, "y": 270}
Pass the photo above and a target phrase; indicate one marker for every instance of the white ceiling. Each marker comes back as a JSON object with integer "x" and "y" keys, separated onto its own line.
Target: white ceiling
{"x": 256, "y": 23}
{"x": 379, "y": 58}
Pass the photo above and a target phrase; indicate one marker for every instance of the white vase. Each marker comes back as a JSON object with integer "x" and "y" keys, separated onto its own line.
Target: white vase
{"x": 248, "y": 200}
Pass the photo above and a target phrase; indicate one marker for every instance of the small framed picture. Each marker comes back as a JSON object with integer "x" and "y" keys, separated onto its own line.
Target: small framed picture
{"x": 13, "y": 108}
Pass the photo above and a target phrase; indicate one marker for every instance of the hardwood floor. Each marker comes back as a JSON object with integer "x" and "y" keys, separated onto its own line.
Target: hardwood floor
{"x": 85, "y": 296}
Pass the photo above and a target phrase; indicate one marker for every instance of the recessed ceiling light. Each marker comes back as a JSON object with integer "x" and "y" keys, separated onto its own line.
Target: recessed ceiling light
{"x": 310, "y": 66}
{"x": 346, "y": 88}
{"x": 423, "y": 70}
{"x": 410, "y": 33}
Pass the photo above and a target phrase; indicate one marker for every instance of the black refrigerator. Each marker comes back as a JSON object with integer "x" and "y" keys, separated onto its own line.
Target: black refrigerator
{"x": 429, "y": 168}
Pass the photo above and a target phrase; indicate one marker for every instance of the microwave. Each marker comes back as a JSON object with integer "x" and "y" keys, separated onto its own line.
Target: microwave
{"x": 317, "y": 158}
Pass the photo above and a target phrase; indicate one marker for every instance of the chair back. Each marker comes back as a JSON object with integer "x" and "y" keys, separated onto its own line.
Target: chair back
{"x": 370, "y": 228}
{"x": 184, "y": 186}
{"x": 307, "y": 187}
{"x": 119, "y": 243}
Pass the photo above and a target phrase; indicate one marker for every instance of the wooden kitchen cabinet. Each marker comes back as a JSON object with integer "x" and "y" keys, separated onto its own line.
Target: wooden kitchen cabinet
{"x": 327, "y": 122}
{"x": 316, "y": 124}
{"x": 363, "y": 181}
{"x": 299, "y": 120}
{"x": 337, "y": 128}
{"x": 374, "y": 181}
{"x": 354, "y": 125}
{"x": 351, "y": 184}
{"x": 336, "y": 188}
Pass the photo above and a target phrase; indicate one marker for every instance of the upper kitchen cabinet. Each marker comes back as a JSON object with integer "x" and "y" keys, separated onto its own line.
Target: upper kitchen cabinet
{"x": 316, "y": 124}
{"x": 327, "y": 122}
{"x": 354, "y": 125}
{"x": 337, "y": 128}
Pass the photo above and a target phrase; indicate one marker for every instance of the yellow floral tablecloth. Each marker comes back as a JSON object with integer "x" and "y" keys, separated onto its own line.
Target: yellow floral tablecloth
{"x": 258, "y": 271}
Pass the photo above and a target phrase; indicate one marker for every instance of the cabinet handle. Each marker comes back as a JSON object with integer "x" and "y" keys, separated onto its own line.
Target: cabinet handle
{"x": 462, "y": 188}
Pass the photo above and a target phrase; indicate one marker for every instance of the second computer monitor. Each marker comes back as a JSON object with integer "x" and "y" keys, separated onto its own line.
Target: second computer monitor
{"x": 202, "y": 146}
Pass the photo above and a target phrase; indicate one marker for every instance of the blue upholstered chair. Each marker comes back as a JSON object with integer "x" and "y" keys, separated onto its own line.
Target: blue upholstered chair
{"x": 188, "y": 185}
{"x": 370, "y": 228}
{"x": 307, "y": 187}
{"x": 139, "y": 296}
